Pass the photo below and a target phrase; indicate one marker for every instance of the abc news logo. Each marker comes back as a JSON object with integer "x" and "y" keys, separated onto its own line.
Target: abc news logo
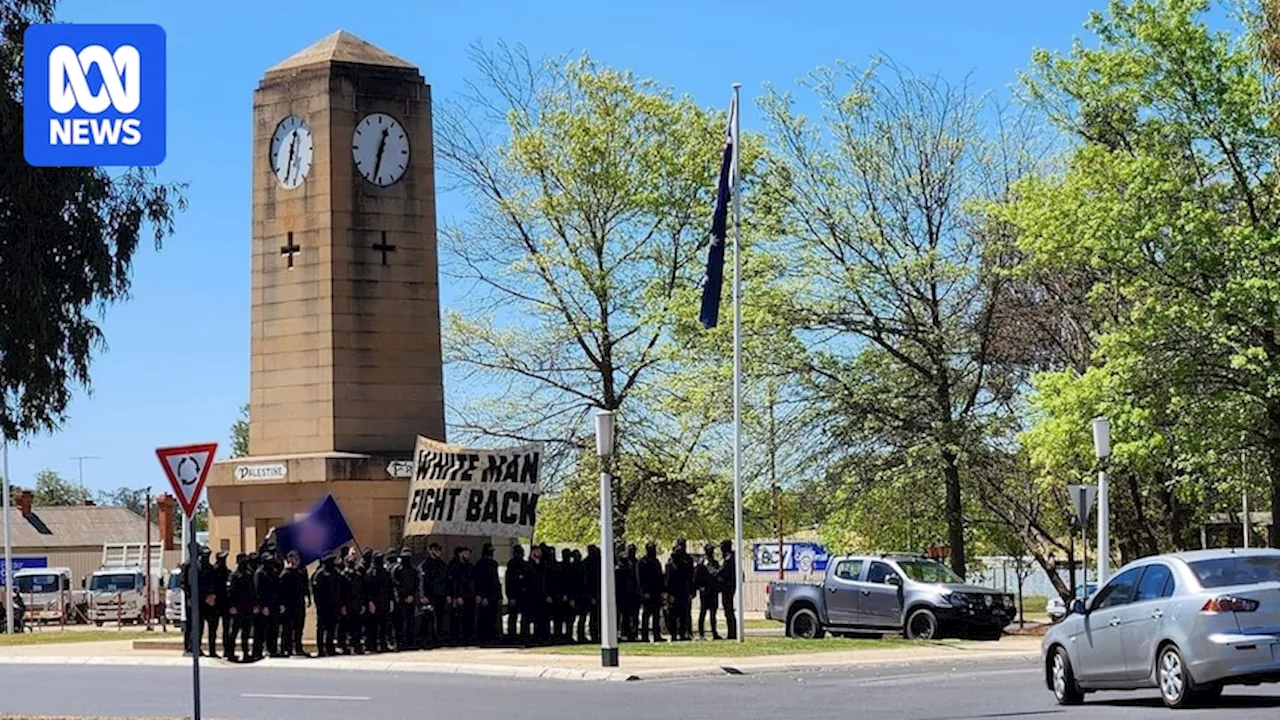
{"x": 96, "y": 95}
{"x": 69, "y": 89}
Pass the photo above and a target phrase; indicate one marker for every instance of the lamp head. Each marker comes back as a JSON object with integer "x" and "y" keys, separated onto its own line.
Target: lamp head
{"x": 604, "y": 433}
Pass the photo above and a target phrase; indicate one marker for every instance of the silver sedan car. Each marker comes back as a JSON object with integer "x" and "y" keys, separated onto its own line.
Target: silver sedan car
{"x": 1187, "y": 624}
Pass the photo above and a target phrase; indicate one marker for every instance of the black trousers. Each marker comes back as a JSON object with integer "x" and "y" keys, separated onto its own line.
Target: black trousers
{"x": 628, "y": 621}
{"x": 651, "y": 618}
{"x": 514, "y": 626}
{"x": 593, "y": 620}
{"x": 462, "y": 621}
{"x": 326, "y": 631}
{"x": 352, "y": 630}
{"x": 727, "y": 602}
{"x": 682, "y": 616}
{"x": 294, "y": 622}
{"x": 238, "y": 626}
{"x": 708, "y": 602}
{"x": 488, "y": 619}
{"x": 534, "y": 623}
{"x": 375, "y": 639}
{"x": 266, "y": 633}
{"x": 405, "y": 620}
{"x": 438, "y": 621}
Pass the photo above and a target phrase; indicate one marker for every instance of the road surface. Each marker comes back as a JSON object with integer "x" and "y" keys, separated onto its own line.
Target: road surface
{"x": 968, "y": 691}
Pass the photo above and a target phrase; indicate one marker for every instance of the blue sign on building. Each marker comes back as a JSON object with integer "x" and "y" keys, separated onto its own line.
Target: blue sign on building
{"x": 22, "y": 563}
{"x": 796, "y": 557}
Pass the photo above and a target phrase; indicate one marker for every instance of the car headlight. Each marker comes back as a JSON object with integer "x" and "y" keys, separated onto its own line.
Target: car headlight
{"x": 959, "y": 599}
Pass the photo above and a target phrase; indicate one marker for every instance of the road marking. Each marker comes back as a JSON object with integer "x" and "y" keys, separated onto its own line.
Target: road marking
{"x": 273, "y": 696}
{"x": 954, "y": 675}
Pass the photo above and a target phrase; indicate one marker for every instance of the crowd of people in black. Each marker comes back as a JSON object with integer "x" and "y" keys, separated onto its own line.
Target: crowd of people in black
{"x": 371, "y": 602}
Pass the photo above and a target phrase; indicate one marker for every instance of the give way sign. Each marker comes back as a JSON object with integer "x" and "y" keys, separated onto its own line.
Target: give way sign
{"x": 187, "y": 467}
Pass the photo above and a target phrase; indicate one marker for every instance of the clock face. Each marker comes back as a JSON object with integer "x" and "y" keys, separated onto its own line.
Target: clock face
{"x": 381, "y": 149}
{"x": 291, "y": 151}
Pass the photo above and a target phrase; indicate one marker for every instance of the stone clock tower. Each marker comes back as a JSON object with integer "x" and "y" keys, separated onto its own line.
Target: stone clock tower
{"x": 345, "y": 349}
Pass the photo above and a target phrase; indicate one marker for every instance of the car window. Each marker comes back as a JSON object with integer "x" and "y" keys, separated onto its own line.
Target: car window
{"x": 1156, "y": 583}
{"x": 878, "y": 572}
{"x": 1237, "y": 570}
{"x": 849, "y": 569}
{"x": 1119, "y": 591}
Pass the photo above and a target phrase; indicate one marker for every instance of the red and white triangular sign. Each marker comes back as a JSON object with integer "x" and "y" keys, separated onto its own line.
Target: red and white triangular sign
{"x": 187, "y": 467}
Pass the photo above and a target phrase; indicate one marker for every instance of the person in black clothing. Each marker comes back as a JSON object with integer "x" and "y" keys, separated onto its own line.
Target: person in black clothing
{"x": 221, "y": 584}
{"x": 404, "y": 578}
{"x": 488, "y": 596}
{"x": 462, "y": 593}
{"x": 517, "y": 570}
{"x": 705, "y": 583}
{"x": 326, "y": 593}
{"x": 591, "y": 592}
{"x": 208, "y": 601}
{"x": 354, "y": 604}
{"x": 727, "y": 583}
{"x": 535, "y": 602}
{"x": 576, "y": 584}
{"x": 652, "y": 586}
{"x": 295, "y": 596}
{"x": 240, "y": 610}
{"x": 629, "y": 580}
{"x": 680, "y": 588}
{"x": 266, "y": 585}
{"x": 435, "y": 589}
{"x": 378, "y": 590}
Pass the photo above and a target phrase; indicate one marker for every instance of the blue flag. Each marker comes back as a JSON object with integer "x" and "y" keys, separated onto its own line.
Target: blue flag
{"x": 319, "y": 533}
{"x": 710, "y": 314}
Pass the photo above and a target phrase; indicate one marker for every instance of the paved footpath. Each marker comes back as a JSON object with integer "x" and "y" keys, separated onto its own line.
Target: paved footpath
{"x": 519, "y": 664}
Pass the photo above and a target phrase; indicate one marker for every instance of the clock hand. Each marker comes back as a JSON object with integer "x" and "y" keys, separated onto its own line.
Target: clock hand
{"x": 382, "y": 146}
{"x": 288, "y": 165}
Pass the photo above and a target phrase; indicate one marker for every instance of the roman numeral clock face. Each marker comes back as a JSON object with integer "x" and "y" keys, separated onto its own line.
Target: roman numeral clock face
{"x": 381, "y": 149}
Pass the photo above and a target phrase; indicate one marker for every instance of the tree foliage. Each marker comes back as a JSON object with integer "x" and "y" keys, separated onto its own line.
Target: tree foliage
{"x": 51, "y": 489}
{"x": 240, "y": 433}
{"x": 67, "y": 243}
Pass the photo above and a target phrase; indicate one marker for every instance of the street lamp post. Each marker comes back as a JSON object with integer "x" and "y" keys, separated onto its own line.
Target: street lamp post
{"x": 1102, "y": 450}
{"x": 608, "y": 598}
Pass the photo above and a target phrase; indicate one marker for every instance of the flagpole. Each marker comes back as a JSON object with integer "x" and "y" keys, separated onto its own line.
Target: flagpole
{"x": 8, "y": 548}
{"x": 739, "y": 596}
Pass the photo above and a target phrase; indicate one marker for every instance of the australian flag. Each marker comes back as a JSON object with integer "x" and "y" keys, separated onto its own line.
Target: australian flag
{"x": 710, "y": 314}
{"x": 319, "y": 533}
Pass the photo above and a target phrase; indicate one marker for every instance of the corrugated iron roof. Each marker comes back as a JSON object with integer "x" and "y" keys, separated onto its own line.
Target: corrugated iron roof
{"x": 78, "y": 525}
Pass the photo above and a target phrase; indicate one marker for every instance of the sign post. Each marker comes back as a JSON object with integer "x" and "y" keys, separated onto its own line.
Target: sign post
{"x": 1082, "y": 499}
{"x": 187, "y": 467}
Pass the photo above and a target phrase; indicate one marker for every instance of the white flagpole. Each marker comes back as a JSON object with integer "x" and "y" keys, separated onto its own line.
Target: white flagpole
{"x": 737, "y": 379}
{"x": 8, "y": 549}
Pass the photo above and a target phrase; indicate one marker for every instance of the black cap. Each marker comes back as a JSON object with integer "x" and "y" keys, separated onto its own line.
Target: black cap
{"x": 406, "y": 553}
{"x": 222, "y": 554}
{"x": 726, "y": 545}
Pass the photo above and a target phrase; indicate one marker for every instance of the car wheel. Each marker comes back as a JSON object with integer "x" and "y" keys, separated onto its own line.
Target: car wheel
{"x": 1063, "y": 680}
{"x": 1177, "y": 688}
{"x": 921, "y": 624}
{"x": 804, "y": 624}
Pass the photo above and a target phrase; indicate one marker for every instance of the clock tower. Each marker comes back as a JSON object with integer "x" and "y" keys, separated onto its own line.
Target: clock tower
{"x": 345, "y": 360}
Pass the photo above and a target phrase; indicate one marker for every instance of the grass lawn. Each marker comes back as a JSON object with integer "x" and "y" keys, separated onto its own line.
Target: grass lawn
{"x": 49, "y": 637}
{"x": 761, "y": 624}
{"x": 725, "y": 648}
{"x": 1035, "y": 605}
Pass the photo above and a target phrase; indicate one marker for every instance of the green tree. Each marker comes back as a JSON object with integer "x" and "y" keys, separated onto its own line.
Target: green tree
{"x": 67, "y": 244}
{"x": 591, "y": 191}
{"x": 135, "y": 500}
{"x": 1168, "y": 201}
{"x": 240, "y": 433}
{"x": 52, "y": 489}
{"x": 896, "y": 271}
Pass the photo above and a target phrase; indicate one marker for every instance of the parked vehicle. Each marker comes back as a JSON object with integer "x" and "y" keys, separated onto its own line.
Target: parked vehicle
{"x": 48, "y": 595}
{"x": 919, "y": 597}
{"x": 120, "y": 594}
{"x": 1057, "y": 609}
{"x": 175, "y": 610}
{"x": 1187, "y": 623}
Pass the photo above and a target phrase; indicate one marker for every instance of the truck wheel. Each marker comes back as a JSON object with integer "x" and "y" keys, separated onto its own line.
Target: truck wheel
{"x": 921, "y": 624}
{"x": 804, "y": 624}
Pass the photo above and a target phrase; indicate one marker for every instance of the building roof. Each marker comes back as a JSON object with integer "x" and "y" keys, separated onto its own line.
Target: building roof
{"x": 77, "y": 526}
{"x": 341, "y": 47}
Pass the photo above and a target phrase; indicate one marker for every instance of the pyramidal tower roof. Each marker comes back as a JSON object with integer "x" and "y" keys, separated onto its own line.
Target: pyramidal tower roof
{"x": 342, "y": 47}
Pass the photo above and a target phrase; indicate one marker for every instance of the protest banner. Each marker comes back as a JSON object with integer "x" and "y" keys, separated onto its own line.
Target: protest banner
{"x": 464, "y": 491}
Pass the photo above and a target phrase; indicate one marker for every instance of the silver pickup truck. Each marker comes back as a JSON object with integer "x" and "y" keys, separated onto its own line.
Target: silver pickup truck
{"x": 919, "y": 597}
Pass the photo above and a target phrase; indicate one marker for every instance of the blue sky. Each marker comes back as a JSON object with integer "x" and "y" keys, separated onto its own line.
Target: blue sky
{"x": 177, "y": 367}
